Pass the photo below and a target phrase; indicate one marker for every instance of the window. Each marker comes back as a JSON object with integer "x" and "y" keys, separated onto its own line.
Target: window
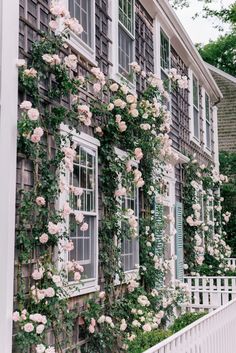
{"x": 129, "y": 247}
{"x": 164, "y": 54}
{"x": 126, "y": 36}
{"x": 196, "y": 122}
{"x": 85, "y": 177}
{"x": 208, "y": 122}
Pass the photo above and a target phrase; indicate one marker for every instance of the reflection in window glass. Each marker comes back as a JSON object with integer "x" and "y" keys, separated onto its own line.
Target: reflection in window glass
{"x": 81, "y": 9}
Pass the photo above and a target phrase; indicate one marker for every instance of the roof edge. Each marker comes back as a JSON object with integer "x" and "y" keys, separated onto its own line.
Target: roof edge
{"x": 221, "y": 72}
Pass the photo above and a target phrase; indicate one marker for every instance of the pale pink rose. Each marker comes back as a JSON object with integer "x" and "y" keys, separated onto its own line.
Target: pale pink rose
{"x": 74, "y": 25}
{"x": 130, "y": 99}
{"x": 134, "y": 113}
{"x": 56, "y": 59}
{"x": 69, "y": 246}
{"x": 57, "y": 9}
{"x": 133, "y": 222}
{"x": 135, "y": 67}
{"x": 38, "y": 131}
{"x": 110, "y": 106}
{"x": 29, "y": 327}
{"x": 54, "y": 228}
{"x": 40, "y": 201}
{"x": 30, "y": 72}
{"x": 84, "y": 227}
{"x": 50, "y": 350}
{"x": 39, "y": 329}
{"x": 36, "y": 317}
{"x": 123, "y": 325}
{"x": 114, "y": 87}
{"x": 50, "y": 292}
{"x": 118, "y": 102}
{"x": 53, "y": 25}
{"x": 57, "y": 280}
{"x": 71, "y": 61}
{"x": 98, "y": 74}
{"x": 122, "y": 126}
{"x": 138, "y": 153}
{"x": 147, "y": 328}
{"x": 21, "y": 63}
{"x": 40, "y": 348}
{"x": 93, "y": 322}
{"x": 79, "y": 217}
{"x": 128, "y": 166}
{"x": 102, "y": 295}
{"x": 124, "y": 89}
{"x": 43, "y": 238}
{"x": 23, "y": 314}
{"x": 140, "y": 183}
{"x": 66, "y": 210}
{"x": 16, "y": 316}
{"x": 145, "y": 127}
{"x": 91, "y": 328}
{"x": 47, "y": 58}
{"x": 118, "y": 118}
{"x": 78, "y": 191}
{"x": 120, "y": 192}
{"x": 97, "y": 87}
{"x": 34, "y": 138}
{"x": 98, "y": 131}
{"x": 77, "y": 276}
{"x": 26, "y": 105}
{"x": 33, "y": 114}
{"x": 38, "y": 274}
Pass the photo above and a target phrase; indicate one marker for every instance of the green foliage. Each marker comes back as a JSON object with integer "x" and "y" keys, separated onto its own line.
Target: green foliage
{"x": 145, "y": 340}
{"x": 185, "y": 320}
{"x": 228, "y": 192}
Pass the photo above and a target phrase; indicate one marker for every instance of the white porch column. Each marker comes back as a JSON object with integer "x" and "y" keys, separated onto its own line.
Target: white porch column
{"x": 9, "y": 28}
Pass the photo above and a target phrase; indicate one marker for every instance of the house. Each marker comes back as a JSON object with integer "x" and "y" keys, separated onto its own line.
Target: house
{"x": 115, "y": 34}
{"x": 226, "y": 109}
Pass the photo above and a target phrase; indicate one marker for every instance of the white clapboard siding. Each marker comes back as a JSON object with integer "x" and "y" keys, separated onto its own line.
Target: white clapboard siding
{"x": 213, "y": 333}
{"x": 179, "y": 241}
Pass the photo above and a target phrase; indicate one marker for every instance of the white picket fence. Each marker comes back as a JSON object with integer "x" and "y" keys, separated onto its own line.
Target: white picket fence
{"x": 213, "y": 333}
{"x": 208, "y": 293}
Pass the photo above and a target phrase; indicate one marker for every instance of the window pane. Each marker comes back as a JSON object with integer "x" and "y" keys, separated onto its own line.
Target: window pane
{"x": 208, "y": 135}
{"x": 207, "y": 107}
{"x": 126, "y": 14}
{"x": 195, "y": 123}
{"x": 125, "y": 52}
{"x": 165, "y": 52}
{"x": 82, "y": 10}
{"x": 195, "y": 92}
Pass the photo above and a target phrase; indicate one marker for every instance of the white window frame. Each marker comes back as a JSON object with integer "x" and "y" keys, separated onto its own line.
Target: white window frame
{"x": 207, "y": 148}
{"x": 91, "y": 284}
{"x": 129, "y": 274}
{"x": 192, "y": 106}
{"x": 78, "y": 44}
{"x": 115, "y": 74}
{"x": 165, "y": 70}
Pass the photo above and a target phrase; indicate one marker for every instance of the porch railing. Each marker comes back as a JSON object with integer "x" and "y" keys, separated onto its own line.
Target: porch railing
{"x": 208, "y": 293}
{"x": 214, "y": 333}
{"x": 232, "y": 262}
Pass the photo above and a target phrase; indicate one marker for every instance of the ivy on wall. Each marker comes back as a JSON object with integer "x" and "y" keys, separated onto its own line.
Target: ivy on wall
{"x": 137, "y": 125}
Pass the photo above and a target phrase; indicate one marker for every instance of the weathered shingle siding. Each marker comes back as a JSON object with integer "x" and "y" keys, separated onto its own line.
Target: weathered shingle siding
{"x": 226, "y": 114}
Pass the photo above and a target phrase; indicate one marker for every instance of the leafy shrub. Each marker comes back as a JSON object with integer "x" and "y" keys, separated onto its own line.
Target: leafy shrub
{"x": 145, "y": 340}
{"x": 185, "y": 320}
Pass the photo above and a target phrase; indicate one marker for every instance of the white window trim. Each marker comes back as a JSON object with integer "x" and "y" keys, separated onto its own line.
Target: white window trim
{"x": 91, "y": 284}
{"x": 114, "y": 30}
{"x": 130, "y": 274}
{"x": 78, "y": 44}
{"x": 208, "y": 150}
{"x": 191, "y": 127}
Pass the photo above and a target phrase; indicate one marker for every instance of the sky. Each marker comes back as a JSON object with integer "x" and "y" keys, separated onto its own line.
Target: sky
{"x": 200, "y": 30}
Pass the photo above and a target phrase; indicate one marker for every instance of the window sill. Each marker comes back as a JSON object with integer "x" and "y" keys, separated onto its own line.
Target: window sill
{"x": 195, "y": 140}
{"x": 128, "y": 276}
{"x": 85, "y": 287}
{"x": 82, "y": 48}
{"x": 209, "y": 152}
{"x": 121, "y": 80}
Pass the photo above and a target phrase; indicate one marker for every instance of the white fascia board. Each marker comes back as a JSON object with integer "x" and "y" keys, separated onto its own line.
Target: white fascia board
{"x": 9, "y": 34}
{"x": 221, "y": 73}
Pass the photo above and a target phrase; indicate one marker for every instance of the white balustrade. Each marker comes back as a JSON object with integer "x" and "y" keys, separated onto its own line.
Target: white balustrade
{"x": 213, "y": 333}
{"x": 208, "y": 293}
{"x": 232, "y": 262}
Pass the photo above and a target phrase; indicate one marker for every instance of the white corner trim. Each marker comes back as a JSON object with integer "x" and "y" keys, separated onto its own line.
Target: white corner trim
{"x": 9, "y": 27}
{"x": 221, "y": 73}
{"x": 79, "y": 136}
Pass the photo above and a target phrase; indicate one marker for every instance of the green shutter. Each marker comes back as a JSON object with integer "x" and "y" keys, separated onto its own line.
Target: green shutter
{"x": 179, "y": 241}
{"x": 159, "y": 236}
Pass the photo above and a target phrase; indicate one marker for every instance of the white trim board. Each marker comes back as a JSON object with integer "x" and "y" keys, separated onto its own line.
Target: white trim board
{"x": 221, "y": 73}
{"x": 9, "y": 26}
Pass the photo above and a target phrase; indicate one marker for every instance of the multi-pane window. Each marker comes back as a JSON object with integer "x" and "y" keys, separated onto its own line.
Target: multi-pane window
{"x": 196, "y": 121}
{"x": 129, "y": 246}
{"x": 84, "y": 176}
{"x": 126, "y": 35}
{"x": 82, "y": 10}
{"x": 208, "y": 121}
{"x": 165, "y": 61}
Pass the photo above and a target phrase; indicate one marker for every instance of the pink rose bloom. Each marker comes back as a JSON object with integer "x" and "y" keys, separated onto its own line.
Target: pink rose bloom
{"x": 39, "y": 329}
{"x": 29, "y": 327}
{"x": 102, "y": 295}
{"x": 77, "y": 276}
{"x": 33, "y": 114}
{"x": 114, "y": 87}
{"x": 110, "y": 106}
{"x": 43, "y": 238}
{"x": 79, "y": 217}
{"x": 38, "y": 131}
{"x": 98, "y": 130}
{"x": 47, "y": 58}
{"x": 69, "y": 246}
{"x": 97, "y": 87}
{"x": 84, "y": 227}
{"x": 147, "y": 328}
{"x": 53, "y": 25}
{"x": 21, "y": 62}
{"x": 30, "y": 72}
{"x": 122, "y": 126}
{"x": 78, "y": 191}
{"x": 50, "y": 350}
{"x": 36, "y": 317}
{"x": 71, "y": 61}
{"x": 40, "y": 201}
{"x": 140, "y": 183}
{"x": 74, "y": 26}
{"x": 50, "y": 292}
{"x": 16, "y": 316}
{"x": 133, "y": 222}
{"x": 38, "y": 274}
{"x": 66, "y": 210}
{"x": 120, "y": 192}
{"x": 40, "y": 348}
{"x": 128, "y": 166}
{"x": 93, "y": 322}
{"x": 35, "y": 138}
{"x": 26, "y": 105}
{"x": 54, "y": 228}
{"x": 138, "y": 153}
{"x": 130, "y": 99}
{"x": 23, "y": 314}
{"x": 91, "y": 328}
